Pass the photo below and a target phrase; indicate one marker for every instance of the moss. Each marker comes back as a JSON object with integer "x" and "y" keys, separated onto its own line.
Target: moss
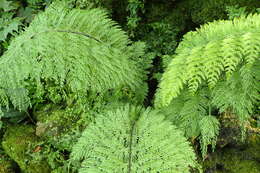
{"x": 54, "y": 121}
{"x": 18, "y": 143}
{"x": 6, "y": 164}
{"x": 236, "y": 159}
{"x": 231, "y": 161}
{"x": 234, "y": 155}
{"x": 59, "y": 128}
{"x": 236, "y": 162}
{"x": 6, "y": 167}
{"x": 253, "y": 146}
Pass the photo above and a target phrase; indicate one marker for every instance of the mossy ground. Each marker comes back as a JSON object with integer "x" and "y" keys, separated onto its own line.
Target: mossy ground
{"x": 17, "y": 143}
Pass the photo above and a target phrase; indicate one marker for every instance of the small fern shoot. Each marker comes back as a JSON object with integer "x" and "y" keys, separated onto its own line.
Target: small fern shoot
{"x": 132, "y": 139}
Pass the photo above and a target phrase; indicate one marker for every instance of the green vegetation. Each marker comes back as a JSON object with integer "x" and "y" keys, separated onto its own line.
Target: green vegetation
{"x": 129, "y": 86}
{"x": 17, "y": 142}
{"x": 211, "y": 66}
{"x": 131, "y": 139}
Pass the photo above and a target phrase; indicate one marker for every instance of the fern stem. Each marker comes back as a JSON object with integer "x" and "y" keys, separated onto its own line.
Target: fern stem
{"x": 67, "y": 31}
{"x": 80, "y": 33}
{"x": 130, "y": 148}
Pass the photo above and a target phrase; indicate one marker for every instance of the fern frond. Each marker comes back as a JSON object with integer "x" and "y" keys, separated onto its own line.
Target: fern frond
{"x": 186, "y": 111}
{"x": 68, "y": 52}
{"x": 213, "y": 63}
{"x": 191, "y": 114}
{"x": 173, "y": 79}
{"x": 131, "y": 139}
{"x": 232, "y": 55}
{"x": 239, "y": 93}
{"x": 217, "y": 48}
{"x": 251, "y": 47}
{"x": 209, "y": 127}
{"x": 194, "y": 71}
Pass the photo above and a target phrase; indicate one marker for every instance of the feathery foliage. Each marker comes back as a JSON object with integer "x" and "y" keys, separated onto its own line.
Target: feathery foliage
{"x": 205, "y": 55}
{"x": 132, "y": 139}
{"x": 67, "y": 54}
{"x": 209, "y": 131}
{"x": 215, "y": 67}
{"x": 192, "y": 114}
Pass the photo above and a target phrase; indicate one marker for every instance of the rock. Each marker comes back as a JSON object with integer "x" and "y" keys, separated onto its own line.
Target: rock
{"x": 55, "y": 121}
{"x": 46, "y": 129}
{"x": 60, "y": 127}
{"x": 18, "y": 142}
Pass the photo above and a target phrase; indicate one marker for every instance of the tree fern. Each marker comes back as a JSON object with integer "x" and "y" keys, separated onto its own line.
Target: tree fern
{"x": 65, "y": 53}
{"x": 131, "y": 139}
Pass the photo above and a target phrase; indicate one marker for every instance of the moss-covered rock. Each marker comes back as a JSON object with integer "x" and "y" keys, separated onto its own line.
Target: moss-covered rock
{"x": 243, "y": 157}
{"x": 231, "y": 160}
{"x": 54, "y": 121}
{"x": 7, "y": 165}
{"x": 18, "y": 142}
{"x": 234, "y": 155}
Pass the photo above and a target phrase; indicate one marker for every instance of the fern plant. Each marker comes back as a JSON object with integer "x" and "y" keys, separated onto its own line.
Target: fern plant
{"x": 132, "y": 139}
{"x": 9, "y": 23}
{"x": 216, "y": 68}
{"x": 66, "y": 55}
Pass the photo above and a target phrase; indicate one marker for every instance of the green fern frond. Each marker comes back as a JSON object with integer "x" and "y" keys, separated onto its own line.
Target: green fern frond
{"x": 175, "y": 74}
{"x": 232, "y": 55}
{"x": 187, "y": 110}
{"x": 239, "y": 93}
{"x": 219, "y": 65}
{"x": 217, "y": 48}
{"x": 4, "y": 98}
{"x": 131, "y": 139}
{"x": 68, "y": 52}
{"x": 251, "y": 53}
{"x": 209, "y": 127}
{"x": 190, "y": 113}
{"x": 213, "y": 64}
